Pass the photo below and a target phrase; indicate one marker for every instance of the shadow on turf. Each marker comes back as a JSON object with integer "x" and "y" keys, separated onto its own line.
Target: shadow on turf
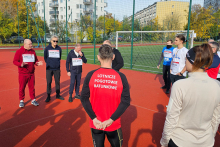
{"x": 160, "y": 77}
{"x": 157, "y": 128}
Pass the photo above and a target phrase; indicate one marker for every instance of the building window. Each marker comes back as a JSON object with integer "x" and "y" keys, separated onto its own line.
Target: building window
{"x": 42, "y": 3}
{"x": 61, "y": 16}
{"x": 172, "y": 13}
{"x": 61, "y": 1}
{"x": 96, "y": 8}
{"x": 39, "y": 11}
{"x": 77, "y": 15}
{"x": 77, "y": 6}
{"x": 42, "y": 18}
{"x": 172, "y": 6}
{"x": 68, "y": 7}
{"x": 68, "y": 0}
{"x": 39, "y": 4}
{"x": 97, "y": 1}
{"x": 101, "y": 8}
{"x": 61, "y": 8}
{"x": 64, "y": 16}
{"x": 42, "y": 10}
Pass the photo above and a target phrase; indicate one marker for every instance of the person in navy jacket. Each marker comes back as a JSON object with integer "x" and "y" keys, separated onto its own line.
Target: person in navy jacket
{"x": 74, "y": 62}
{"x": 52, "y": 57}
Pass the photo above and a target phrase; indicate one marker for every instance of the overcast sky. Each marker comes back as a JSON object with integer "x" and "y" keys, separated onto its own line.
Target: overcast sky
{"x": 121, "y": 8}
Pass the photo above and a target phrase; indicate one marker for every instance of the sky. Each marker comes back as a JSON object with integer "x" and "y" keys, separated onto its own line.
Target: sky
{"x": 121, "y": 8}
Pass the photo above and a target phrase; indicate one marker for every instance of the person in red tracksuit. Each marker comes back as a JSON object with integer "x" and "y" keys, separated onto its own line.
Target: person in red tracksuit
{"x": 109, "y": 95}
{"x": 25, "y": 58}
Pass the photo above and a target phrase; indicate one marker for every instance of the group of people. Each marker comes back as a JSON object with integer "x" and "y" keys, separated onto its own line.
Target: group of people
{"x": 193, "y": 111}
{"x": 174, "y": 64}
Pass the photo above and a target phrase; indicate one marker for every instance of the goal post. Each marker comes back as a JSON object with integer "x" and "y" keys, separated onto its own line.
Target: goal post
{"x": 165, "y": 34}
{"x": 147, "y": 47}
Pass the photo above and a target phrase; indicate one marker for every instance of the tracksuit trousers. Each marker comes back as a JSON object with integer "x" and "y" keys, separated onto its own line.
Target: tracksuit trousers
{"x": 166, "y": 76}
{"x": 75, "y": 80}
{"x": 25, "y": 79}
{"x": 49, "y": 75}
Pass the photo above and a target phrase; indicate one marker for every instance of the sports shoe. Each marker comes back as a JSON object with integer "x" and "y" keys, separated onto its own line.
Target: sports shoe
{"x": 77, "y": 96}
{"x": 167, "y": 91}
{"x": 59, "y": 97}
{"x": 164, "y": 87}
{"x": 35, "y": 103}
{"x": 70, "y": 99}
{"x": 48, "y": 98}
{"x": 21, "y": 105}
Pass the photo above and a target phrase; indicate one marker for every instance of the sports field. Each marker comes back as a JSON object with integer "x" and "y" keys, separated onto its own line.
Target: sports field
{"x": 145, "y": 58}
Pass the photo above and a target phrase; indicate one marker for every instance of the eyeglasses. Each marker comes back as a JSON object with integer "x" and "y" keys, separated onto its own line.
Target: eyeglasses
{"x": 55, "y": 41}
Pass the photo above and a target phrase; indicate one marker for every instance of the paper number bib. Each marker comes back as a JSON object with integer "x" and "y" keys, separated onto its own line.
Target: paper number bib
{"x": 175, "y": 67}
{"x": 76, "y": 61}
{"x": 167, "y": 54}
{"x": 54, "y": 53}
{"x": 28, "y": 57}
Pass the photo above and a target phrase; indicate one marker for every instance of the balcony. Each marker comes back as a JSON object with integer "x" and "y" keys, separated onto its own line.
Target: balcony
{"x": 52, "y": 20}
{"x": 87, "y": 10}
{"x": 53, "y": 12}
{"x": 87, "y": 2}
{"x": 54, "y": 4}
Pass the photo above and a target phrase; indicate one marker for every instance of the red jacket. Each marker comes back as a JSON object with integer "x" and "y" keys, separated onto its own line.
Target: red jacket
{"x": 18, "y": 59}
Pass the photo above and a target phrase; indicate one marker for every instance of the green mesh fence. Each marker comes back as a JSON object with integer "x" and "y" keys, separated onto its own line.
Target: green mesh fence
{"x": 90, "y": 22}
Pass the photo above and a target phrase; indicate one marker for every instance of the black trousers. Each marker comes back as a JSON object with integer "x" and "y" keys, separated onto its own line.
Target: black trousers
{"x": 115, "y": 137}
{"x": 166, "y": 76}
{"x": 49, "y": 75}
{"x": 218, "y": 79}
{"x": 175, "y": 78}
{"x": 75, "y": 80}
{"x": 172, "y": 144}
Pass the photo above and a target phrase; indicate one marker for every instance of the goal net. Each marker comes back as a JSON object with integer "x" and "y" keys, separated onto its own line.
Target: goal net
{"x": 147, "y": 46}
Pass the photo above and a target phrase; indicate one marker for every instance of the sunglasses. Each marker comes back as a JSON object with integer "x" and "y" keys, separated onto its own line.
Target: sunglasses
{"x": 55, "y": 41}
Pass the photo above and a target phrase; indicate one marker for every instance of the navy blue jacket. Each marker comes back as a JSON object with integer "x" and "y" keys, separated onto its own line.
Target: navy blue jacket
{"x": 74, "y": 69}
{"x": 118, "y": 62}
{"x": 52, "y": 63}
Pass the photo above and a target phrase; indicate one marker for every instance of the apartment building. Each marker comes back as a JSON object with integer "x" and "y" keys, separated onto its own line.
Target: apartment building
{"x": 57, "y": 9}
{"x": 161, "y": 10}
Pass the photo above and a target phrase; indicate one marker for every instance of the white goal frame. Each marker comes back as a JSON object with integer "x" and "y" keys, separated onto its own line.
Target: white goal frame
{"x": 191, "y": 33}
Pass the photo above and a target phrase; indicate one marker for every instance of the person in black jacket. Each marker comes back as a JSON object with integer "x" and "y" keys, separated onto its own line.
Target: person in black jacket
{"x": 52, "y": 57}
{"x": 74, "y": 62}
{"x": 118, "y": 61}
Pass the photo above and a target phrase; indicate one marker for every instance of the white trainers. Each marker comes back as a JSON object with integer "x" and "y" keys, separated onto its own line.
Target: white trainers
{"x": 35, "y": 103}
{"x": 21, "y": 105}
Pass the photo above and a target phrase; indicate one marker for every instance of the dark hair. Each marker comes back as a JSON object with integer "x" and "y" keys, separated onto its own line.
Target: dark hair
{"x": 182, "y": 37}
{"x": 106, "y": 52}
{"x": 170, "y": 40}
{"x": 204, "y": 56}
{"x": 215, "y": 44}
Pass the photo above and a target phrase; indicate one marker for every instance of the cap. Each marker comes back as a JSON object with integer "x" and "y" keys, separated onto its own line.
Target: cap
{"x": 191, "y": 55}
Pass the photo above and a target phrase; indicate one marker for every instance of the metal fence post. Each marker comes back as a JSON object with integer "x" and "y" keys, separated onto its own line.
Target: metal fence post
{"x": 187, "y": 43}
{"x": 132, "y": 34}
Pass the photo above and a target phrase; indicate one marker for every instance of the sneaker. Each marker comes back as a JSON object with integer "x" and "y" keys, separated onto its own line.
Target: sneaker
{"x": 59, "y": 97}
{"x": 48, "y": 98}
{"x": 167, "y": 91}
{"x": 77, "y": 96}
{"x": 164, "y": 87}
{"x": 70, "y": 99}
{"x": 35, "y": 103}
{"x": 21, "y": 105}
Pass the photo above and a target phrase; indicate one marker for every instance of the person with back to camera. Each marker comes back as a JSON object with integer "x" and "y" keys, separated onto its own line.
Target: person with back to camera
{"x": 166, "y": 55}
{"x": 178, "y": 63}
{"x": 193, "y": 112}
{"x": 109, "y": 95}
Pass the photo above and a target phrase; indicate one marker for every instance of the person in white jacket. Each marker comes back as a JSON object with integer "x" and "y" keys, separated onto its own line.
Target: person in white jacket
{"x": 193, "y": 112}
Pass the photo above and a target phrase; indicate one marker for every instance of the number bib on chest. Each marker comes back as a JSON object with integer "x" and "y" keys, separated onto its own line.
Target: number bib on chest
{"x": 28, "y": 57}
{"x": 76, "y": 61}
{"x": 54, "y": 53}
{"x": 167, "y": 54}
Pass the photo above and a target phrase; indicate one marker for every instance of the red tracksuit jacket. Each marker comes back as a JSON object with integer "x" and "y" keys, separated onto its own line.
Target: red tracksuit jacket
{"x": 18, "y": 59}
